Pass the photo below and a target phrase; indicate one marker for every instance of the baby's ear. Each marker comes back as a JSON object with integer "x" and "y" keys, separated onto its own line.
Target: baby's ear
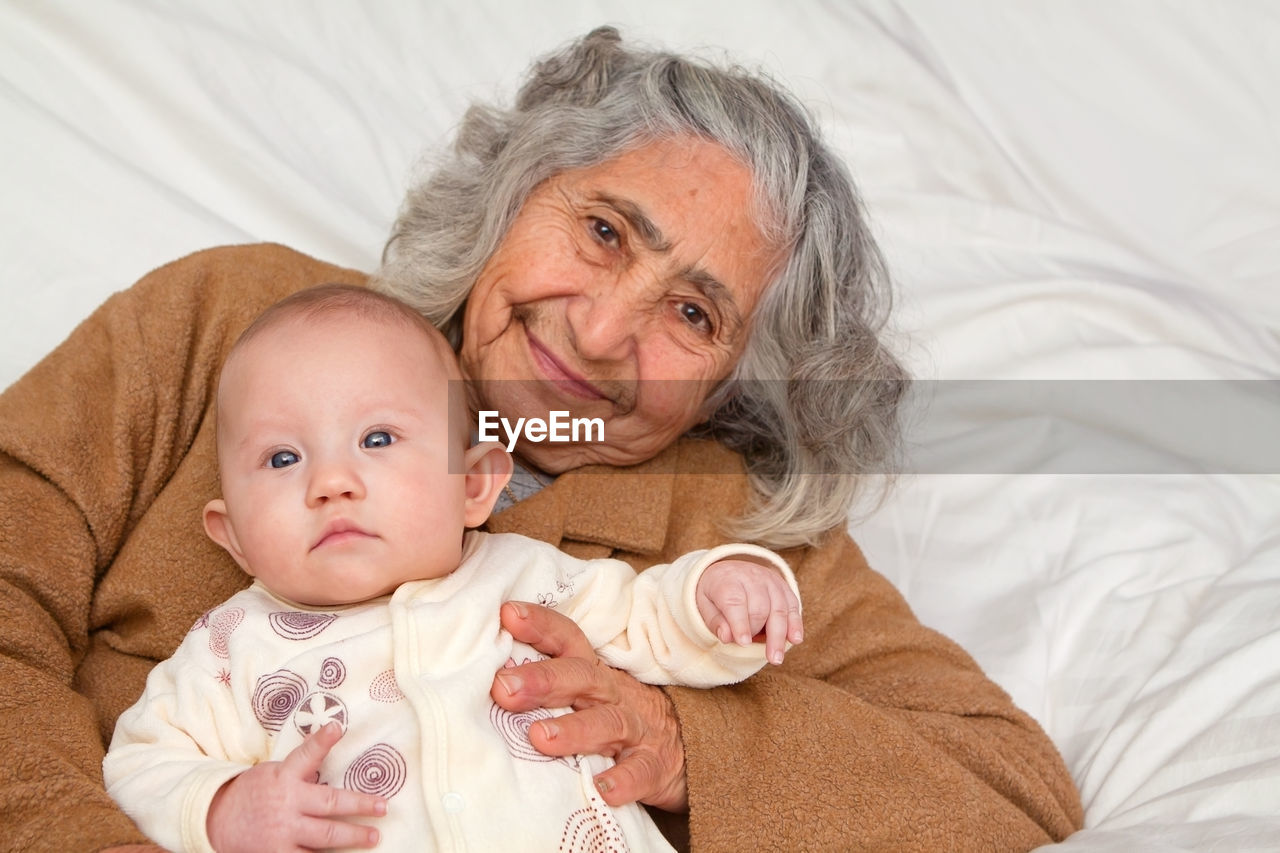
{"x": 218, "y": 525}
{"x": 488, "y": 466}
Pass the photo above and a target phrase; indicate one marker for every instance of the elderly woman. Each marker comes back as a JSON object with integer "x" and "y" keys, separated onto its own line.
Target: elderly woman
{"x": 641, "y": 238}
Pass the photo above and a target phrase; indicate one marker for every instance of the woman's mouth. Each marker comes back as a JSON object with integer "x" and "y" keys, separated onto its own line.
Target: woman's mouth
{"x": 567, "y": 380}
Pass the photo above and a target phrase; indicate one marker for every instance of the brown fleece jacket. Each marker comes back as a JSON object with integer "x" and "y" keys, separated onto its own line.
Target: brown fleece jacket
{"x": 876, "y": 733}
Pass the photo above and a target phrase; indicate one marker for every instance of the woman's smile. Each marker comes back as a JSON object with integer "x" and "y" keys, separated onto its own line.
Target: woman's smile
{"x": 555, "y": 370}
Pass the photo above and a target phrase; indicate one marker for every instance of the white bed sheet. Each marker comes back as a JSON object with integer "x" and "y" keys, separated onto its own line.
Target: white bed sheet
{"x": 1064, "y": 191}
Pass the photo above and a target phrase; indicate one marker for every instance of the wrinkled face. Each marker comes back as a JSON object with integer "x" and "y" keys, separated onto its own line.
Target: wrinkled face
{"x": 622, "y": 292}
{"x": 334, "y": 440}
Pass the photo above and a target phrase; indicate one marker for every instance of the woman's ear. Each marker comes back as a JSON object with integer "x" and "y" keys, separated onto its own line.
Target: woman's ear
{"x": 218, "y": 525}
{"x": 488, "y": 466}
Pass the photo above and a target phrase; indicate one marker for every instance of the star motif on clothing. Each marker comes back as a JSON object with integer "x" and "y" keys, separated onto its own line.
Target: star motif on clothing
{"x": 224, "y": 676}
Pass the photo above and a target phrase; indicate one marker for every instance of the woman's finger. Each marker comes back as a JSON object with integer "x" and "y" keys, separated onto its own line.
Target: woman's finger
{"x": 556, "y": 683}
{"x": 601, "y": 730}
{"x": 647, "y": 748}
{"x": 643, "y": 776}
{"x": 573, "y": 676}
{"x": 546, "y": 630}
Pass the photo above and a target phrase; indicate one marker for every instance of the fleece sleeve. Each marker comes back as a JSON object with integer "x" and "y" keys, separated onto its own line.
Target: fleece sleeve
{"x": 648, "y": 624}
{"x": 173, "y": 750}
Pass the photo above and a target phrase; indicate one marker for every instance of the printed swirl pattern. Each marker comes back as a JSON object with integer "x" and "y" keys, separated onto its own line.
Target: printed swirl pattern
{"x": 275, "y": 696}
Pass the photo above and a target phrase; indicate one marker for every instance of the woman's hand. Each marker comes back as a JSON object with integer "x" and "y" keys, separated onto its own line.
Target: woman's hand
{"x": 614, "y": 714}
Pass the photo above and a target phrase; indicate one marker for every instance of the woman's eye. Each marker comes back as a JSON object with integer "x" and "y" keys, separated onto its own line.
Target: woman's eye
{"x": 283, "y": 459}
{"x": 695, "y": 316}
{"x": 377, "y": 438}
{"x": 604, "y": 232}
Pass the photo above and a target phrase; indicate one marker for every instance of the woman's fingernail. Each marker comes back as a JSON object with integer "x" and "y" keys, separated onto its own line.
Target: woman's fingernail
{"x": 550, "y": 730}
{"x": 776, "y": 658}
{"x": 521, "y": 610}
{"x": 604, "y": 786}
{"x": 510, "y": 683}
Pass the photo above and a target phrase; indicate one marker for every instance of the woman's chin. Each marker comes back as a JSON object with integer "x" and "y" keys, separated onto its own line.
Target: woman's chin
{"x": 557, "y": 460}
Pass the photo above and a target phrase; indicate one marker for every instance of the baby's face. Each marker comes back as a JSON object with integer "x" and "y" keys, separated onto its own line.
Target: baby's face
{"x": 334, "y": 443}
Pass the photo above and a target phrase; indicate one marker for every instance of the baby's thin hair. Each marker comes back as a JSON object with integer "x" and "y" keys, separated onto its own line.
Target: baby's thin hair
{"x": 321, "y": 300}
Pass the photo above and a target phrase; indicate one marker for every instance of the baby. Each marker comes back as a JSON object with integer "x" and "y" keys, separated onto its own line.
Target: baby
{"x": 351, "y": 679}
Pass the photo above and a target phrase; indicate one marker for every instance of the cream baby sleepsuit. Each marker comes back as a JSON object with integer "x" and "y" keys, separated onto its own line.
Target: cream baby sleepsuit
{"x": 408, "y": 677}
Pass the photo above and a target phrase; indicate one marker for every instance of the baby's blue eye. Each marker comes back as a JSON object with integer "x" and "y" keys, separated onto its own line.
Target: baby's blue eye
{"x": 283, "y": 459}
{"x": 377, "y": 438}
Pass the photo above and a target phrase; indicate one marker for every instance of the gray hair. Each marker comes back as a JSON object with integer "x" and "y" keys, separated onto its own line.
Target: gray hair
{"x": 812, "y": 404}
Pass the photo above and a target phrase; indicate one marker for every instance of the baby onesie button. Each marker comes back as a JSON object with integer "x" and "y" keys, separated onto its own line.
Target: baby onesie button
{"x": 453, "y": 802}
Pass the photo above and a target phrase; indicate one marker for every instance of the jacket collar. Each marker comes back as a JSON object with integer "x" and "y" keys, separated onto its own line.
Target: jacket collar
{"x": 621, "y": 508}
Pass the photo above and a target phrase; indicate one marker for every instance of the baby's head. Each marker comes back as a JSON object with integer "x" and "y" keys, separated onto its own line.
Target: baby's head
{"x": 345, "y": 470}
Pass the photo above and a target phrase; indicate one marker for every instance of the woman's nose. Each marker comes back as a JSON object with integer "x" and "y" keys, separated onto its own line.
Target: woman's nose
{"x": 606, "y": 319}
{"x": 333, "y": 480}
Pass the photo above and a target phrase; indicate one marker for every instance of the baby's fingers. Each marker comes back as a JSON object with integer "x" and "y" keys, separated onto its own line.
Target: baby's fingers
{"x": 782, "y": 625}
{"x": 322, "y": 806}
{"x": 326, "y": 801}
{"x": 737, "y": 623}
{"x": 322, "y": 834}
{"x": 720, "y": 627}
{"x": 305, "y": 760}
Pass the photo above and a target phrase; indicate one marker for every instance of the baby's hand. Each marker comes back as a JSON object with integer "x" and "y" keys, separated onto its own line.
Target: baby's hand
{"x": 739, "y": 599}
{"x": 277, "y": 805}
